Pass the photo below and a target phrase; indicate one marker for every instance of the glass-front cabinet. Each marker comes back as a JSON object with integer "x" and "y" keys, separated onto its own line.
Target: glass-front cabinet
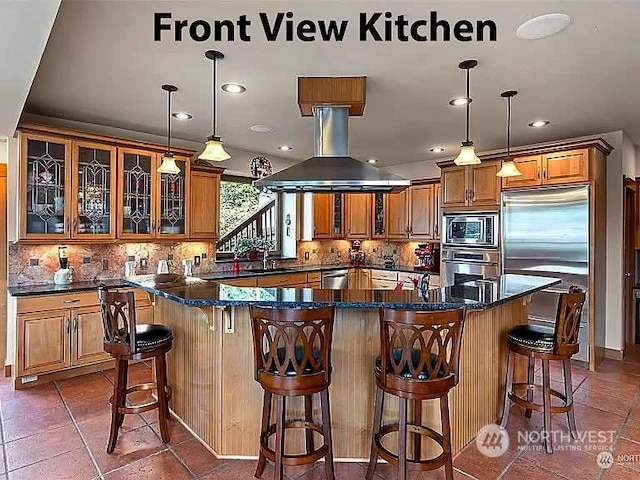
{"x": 137, "y": 180}
{"x": 379, "y": 215}
{"x": 172, "y": 202}
{"x": 46, "y": 170}
{"x": 151, "y": 204}
{"x": 93, "y": 191}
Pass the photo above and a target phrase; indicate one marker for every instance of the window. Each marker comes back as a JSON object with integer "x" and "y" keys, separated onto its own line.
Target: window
{"x": 246, "y": 212}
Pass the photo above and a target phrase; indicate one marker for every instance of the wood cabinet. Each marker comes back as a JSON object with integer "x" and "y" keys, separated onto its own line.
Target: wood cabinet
{"x": 80, "y": 187}
{"x": 328, "y": 216}
{"x": 283, "y": 280}
{"x": 557, "y": 168}
{"x": 43, "y": 342}
{"x": 151, "y": 204}
{"x": 87, "y": 335}
{"x": 204, "y": 211}
{"x": 61, "y": 332}
{"x": 437, "y": 210}
{"x": 412, "y": 214}
{"x": 358, "y": 215}
{"x": 471, "y": 185}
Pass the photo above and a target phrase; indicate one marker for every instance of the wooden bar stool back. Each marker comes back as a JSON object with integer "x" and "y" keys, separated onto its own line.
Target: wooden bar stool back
{"x": 419, "y": 360}
{"x": 126, "y": 340}
{"x": 292, "y": 352}
{"x": 545, "y": 343}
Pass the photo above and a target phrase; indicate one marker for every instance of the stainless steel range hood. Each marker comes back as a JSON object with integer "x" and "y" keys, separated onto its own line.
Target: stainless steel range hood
{"x": 331, "y": 169}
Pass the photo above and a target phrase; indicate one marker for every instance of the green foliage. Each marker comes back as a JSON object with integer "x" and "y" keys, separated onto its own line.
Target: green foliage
{"x": 245, "y": 245}
{"x": 238, "y": 201}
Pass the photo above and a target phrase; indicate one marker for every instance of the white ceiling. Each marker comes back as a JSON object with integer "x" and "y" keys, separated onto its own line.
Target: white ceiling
{"x": 102, "y": 66}
{"x": 23, "y": 36}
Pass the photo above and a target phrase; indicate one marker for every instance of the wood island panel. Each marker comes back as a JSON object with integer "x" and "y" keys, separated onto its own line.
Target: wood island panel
{"x": 211, "y": 371}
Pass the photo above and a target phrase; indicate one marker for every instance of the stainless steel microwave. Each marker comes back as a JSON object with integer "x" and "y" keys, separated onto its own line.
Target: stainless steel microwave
{"x": 471, "y": 230}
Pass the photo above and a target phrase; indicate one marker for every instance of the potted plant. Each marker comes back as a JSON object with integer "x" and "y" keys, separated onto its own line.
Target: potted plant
{"x": 250, "y": 247}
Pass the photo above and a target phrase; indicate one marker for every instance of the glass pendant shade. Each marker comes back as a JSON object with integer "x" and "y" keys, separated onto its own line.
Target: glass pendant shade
{"x": 467, "y": 155}
{"x": 509, "y": 169}
{"x": 214, "y": 151}
{"x": 168, "y": 164}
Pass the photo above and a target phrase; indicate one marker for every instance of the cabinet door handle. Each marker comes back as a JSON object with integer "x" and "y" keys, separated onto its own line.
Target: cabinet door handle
{"x": 538, "y": 174}
{"x": 473, "y": 195}
{"x": 544, "y": 173}
{"x": 75, "y": 300}
{"x": 436, "y": 230}
{"x": 75, "y": 324}
{"x": 68, "y": 325}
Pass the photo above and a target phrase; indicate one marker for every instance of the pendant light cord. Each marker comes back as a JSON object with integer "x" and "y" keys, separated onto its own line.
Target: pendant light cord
{"x": 468, "y": 102}
{"x": 508, "y": 127}
{"x": 213, "y": 98}
{"x": 169, "y": 121}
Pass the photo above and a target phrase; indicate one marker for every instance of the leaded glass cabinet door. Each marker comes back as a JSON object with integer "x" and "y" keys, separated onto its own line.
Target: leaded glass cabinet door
{"x": 94, "y": 191}
{"x": 172, "y": 201}
{"x": 379, "y": 215}
{"x": 45, "y": 180}
{"x": 136, "y": 215}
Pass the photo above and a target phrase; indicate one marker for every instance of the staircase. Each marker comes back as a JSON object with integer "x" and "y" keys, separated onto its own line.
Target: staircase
{"x": 260, "y": 224}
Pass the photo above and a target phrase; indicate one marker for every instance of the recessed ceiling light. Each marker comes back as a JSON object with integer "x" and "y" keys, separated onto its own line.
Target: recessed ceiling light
{"x": 182, "y": 115}
{"x": 372, "y": 161}
{"x": 233, "y": 88}
{"x": 458, "y": 102}
{"x": 436, "y": 149}
{"x": 543, "y": 26}
{"x": 285, "y": 148}
{"x": 261, "y": 128}
{"x": 539, "y": 123}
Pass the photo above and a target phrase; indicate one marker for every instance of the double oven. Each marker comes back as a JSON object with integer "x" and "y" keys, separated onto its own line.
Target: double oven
{"x": 470, "y": 247}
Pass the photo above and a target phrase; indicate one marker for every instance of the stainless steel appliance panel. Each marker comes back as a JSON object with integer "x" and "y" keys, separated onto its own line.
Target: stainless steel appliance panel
{"x": 335, "y": 279}
{"x": 459, "y": 266}
{"x": 546, "y": 232}
{"x": 471, "y": 230}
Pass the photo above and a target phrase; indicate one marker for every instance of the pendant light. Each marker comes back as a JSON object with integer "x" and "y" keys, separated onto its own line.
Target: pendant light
{"x": 509, "y": 167}
{"x": 213, "y": 151}
{"x": 168, "y": 164}
{"x": 467, "y": 154}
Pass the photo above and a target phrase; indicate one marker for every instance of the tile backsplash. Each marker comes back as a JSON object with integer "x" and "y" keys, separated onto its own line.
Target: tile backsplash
{"x": 29, "y": 264}
{"x": 32, "y": 264}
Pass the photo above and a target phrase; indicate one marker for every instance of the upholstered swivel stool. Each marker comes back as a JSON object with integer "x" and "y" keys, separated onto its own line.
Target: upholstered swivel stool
{"x": 545, "y": 343}
{"x": 292, "y": 349}
{"x": 419, "y": 359}
{"x": 125, "y": 341}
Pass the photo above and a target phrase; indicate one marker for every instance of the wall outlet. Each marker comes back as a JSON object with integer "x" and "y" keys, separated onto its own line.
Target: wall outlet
{"x": 170, "y": 256}
{"x": 306, "y": 255}
{"x": 196, "y": 261}
{"x": 86, "y": 259}
{"x": 203, "y": 255}
{"x": 34, "y": 262}
{"x": 105, "y": 264}
{"x": 313, "y": 251}
{"x": 333, "y": 250}
{"x": 144, "y": 263}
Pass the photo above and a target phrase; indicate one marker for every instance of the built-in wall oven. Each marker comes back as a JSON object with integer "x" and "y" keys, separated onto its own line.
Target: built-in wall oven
{"x": 464, "y": 265}
{"x": 471, "y": 230}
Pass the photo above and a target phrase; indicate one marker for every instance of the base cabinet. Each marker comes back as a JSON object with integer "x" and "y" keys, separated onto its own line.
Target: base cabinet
{"x": 60, "y": 332}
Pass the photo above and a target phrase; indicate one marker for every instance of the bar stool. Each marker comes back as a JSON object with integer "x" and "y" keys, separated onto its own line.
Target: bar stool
{"x": 419, "y": 360}
{"x": 545, "y": 343}
{"x": 292, "y": 351}
{"x": 125, "y": 340}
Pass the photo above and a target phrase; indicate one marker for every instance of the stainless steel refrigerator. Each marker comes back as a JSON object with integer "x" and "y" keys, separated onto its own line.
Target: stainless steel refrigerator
{"x": 546, "y": 232}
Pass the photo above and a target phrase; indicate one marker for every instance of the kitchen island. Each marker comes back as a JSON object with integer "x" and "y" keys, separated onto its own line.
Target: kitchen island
{"x": 211, "y": 363}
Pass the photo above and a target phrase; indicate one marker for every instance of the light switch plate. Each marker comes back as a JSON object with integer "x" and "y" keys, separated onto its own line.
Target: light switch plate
{"x": 196, "y": 261}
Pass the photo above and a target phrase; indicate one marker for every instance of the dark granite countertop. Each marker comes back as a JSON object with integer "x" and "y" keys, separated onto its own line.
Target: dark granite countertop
{"x": 476, "y": 295}
{"x": 51, "y": 288}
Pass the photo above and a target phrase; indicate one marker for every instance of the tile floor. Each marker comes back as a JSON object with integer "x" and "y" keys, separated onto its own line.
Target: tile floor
{"x": 59, "y": 431}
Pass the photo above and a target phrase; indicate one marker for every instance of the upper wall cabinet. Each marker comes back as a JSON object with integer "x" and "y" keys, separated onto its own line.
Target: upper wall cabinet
{"x": 82, "y": 187}
{"x": 358, "y": 215}
{"x": 471, "y": 186}
{"x": 557, "y": 168}
{"x": 328, "y": 216}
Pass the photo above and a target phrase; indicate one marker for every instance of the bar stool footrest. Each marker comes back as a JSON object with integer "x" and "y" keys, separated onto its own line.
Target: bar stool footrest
{"x": 146, "y": 406}
{"x": 522, "y": 402}
{"x": 412, "y": 464}
{"x": 293, "y": 459}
